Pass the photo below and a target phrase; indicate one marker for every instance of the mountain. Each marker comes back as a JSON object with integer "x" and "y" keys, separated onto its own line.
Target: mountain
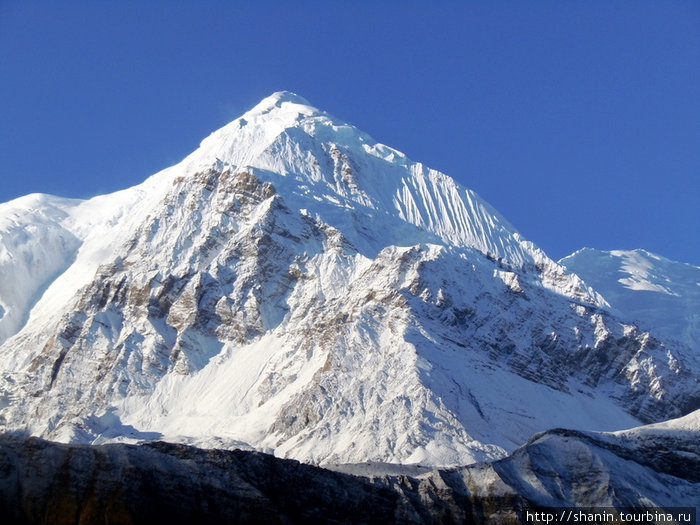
{"x": 647, "y": 289}
{"x": 646, "y": 470}
{"x": 653, "y": 467}
{"x": 295, "y": 287}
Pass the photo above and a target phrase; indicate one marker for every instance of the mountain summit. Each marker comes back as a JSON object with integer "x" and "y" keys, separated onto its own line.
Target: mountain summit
{"x": 321, "y": 163}
{"x": 296, "y": 287}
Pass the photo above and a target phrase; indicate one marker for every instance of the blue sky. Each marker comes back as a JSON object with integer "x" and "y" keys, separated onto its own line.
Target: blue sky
{"x": 578, "y": 121}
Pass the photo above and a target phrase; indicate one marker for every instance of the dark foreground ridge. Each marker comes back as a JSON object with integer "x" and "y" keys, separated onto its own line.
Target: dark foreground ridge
{"x": 46, "y": 483}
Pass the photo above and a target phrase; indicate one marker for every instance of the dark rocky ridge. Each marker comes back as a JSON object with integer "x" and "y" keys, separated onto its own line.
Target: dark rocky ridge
{"x": 43, "y": 482}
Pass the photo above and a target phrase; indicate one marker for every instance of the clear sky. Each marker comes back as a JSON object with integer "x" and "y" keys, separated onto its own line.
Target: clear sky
{"x": 579, "y": 121}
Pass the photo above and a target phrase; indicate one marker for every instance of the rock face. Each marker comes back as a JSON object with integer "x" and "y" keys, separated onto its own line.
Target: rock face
{"x": 653, "y": 467}
{"x": 293, "y": 286}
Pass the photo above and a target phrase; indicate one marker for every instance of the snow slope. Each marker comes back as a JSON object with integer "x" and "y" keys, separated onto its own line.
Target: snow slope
{"x": 295, "y": 287}
{"x": 644, "y": 288}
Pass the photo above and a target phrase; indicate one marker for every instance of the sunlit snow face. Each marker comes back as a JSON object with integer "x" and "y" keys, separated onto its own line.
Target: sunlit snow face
{"x": 639, "y": 266}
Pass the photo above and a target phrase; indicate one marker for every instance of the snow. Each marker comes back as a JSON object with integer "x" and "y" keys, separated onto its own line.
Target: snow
{"x": 690, "y": 423}
{"x": 638, "y": 265}
{"x": 34, "y": 249}
{"x": 656, "y": 293}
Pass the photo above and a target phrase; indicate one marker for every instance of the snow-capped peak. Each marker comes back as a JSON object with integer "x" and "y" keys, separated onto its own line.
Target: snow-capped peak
{"x": 296, "y": 285}
{"x": 243, "y": 140}
{"x": 276, "y": 100}
{"x": 336, "y": 171}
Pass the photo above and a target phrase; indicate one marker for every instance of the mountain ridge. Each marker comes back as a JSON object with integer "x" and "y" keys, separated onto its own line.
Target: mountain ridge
{"x": 645, "y": 470}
